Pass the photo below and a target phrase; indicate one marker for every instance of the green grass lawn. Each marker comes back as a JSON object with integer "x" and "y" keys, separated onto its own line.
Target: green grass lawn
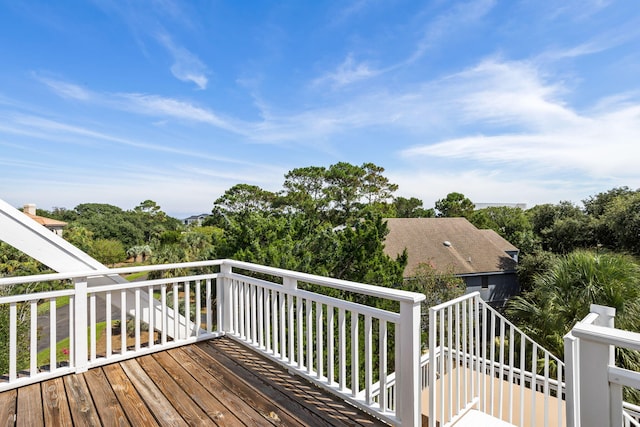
{"x": 62, "y": 347}
{"x": 60, "y": 302}
{"x": 134, "y": 276}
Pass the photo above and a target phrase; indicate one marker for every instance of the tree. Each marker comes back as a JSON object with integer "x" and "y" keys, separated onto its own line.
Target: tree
{"x": 304, "y": 190}
{"x": 454, "y": 205}
{"x": 438, "y": 287}
{"x": 242, "y": 199}
{"x": 79, "y": 236}
{"x": 562, "y": 228}
{"x": 619, "y": 224}
{"x": 343, "y": 190}
{"x": 411, "y": 208}
{"x": 532, "y": 265}
{"x": 511, "y": 223}
{"x": 108, "y": 251}
{"x": 562, "y": 296}
{"x": 376, "y": 187}
{"x": 111, "y": 223}
{"x": 597, "y": 205}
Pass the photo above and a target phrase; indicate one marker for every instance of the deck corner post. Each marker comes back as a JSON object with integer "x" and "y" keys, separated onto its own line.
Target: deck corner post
{"x": 591, "y": 361}
{"x": 225, "y": 305}
{"x": 81, "y": 325}
{"x": 409, "y": 399}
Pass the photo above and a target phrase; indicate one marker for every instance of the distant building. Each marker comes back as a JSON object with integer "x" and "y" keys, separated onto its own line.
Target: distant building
{"x": 195, "y": 219}
{"x": 522, "y": 206}
{"x": 52, "y": 224}
{"x": 482, "y": 258}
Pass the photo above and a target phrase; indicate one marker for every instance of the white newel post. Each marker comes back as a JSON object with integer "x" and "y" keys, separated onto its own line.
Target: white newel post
{"x": 593, "y": 361}
{"x": 81, "y": 325}
{"x": 224, "y": 300}
{"x": 408, "y": 403}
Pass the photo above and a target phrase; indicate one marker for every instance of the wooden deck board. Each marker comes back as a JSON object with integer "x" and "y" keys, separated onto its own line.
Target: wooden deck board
{"x": 321, "y": 405}
{"x": 246, "y": 412}
{"x": 30, "y": 412}
{"x": 131, "y": 402}
{"x": 80, "y": 401}
{"x": 55, "y": 404}
{"x": 161, "y": 408}
{"x": 106, "y": 402}
{"x": 211, "y": 406}
{"x": 8, "y": 408}
{"x": 254, "y": 394}
{"x": 219, "y": 382}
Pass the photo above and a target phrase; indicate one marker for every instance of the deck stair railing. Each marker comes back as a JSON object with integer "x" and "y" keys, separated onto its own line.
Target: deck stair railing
{"x": 594, "y": 382}
{"x": 481, "y": 361}
{"x": 345, "y": 347}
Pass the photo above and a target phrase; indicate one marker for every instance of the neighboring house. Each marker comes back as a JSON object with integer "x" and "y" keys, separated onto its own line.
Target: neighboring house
{"x": 195, "y": 219}
{"x": 52, "y": 224}
{"x": 485, "y": 260}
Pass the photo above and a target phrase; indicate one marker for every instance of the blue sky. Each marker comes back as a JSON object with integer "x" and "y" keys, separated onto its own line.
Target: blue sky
{"x": 512, "y": 101}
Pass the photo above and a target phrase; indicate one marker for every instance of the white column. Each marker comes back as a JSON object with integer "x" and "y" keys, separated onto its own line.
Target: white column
{"x": 81, "y": 324}
{"x": 408, "y": 368}
{"x": 224, "y": 299}
{"x": 594, "y": 359}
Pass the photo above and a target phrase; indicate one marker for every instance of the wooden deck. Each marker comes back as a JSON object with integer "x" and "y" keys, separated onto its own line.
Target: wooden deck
{"x": 216, "y": 382}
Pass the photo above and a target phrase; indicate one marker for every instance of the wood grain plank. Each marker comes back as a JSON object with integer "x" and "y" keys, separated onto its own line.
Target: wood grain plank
{"x": 163, "y": 411}
{"x": 55, "y": 403}
{"x": 328, "y": 408}
{"x": 178, "y": 397}
{"x": 105, "y": 400}
{"x": 29, "y": 413}
{"x": 257, "y": 394}
{"x": 206, "y": 401}
{"x": 83, "y": 411}
{"x": 131, "y": 402}
{"x": 242, "y": 409}
{"x": 8, "y": 400}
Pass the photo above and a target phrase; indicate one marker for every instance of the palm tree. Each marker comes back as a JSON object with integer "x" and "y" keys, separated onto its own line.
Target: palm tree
{"x": 562, "y": 296}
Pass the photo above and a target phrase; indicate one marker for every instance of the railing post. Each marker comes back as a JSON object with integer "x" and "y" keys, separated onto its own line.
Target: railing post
{"x": 290, "y": 284}
{"x": 408, "y": 367}
{"x": 572, "y": 378}
{"x": 81, "y": 325}
{"x": 433, "y": 360}
{"x": 224, "y": 300}
{"x": 592, "y": 366}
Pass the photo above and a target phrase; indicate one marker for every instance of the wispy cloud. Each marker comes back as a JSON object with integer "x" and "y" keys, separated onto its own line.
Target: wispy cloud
{"x": 186, "y": 67}
{"x": 453, "y": 20}
{"x": 155, "y": 105}
{"x": 147, "y": 104}
{"x": 348, "y": 72}
{"x": 66, "y": 89}
{"x": 527, "y": 123}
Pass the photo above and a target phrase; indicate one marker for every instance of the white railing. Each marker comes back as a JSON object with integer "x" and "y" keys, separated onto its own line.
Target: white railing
{"x": 81, "y": 333}
{"x": 344, "y": 347}
{"x": 594, "y": 382}
{"x": 341, "y": 346}
{"x": 482, "y": 361}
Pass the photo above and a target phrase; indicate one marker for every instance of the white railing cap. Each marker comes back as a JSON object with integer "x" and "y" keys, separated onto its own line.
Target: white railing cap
{"x": 605, "y": 335}
{"x": 345, "y": 285}
{"x": 16, "y": 280}
{"x": 372, "y": 290}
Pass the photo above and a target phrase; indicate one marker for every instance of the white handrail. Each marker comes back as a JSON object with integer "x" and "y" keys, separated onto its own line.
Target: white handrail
{"x": 596, "y": 382}
{"x": 478, "y": 346}
{"x": 306, "y": 331}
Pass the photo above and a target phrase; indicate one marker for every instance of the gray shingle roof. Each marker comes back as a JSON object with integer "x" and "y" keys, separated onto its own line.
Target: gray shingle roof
{"x": 470, "y": 250}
